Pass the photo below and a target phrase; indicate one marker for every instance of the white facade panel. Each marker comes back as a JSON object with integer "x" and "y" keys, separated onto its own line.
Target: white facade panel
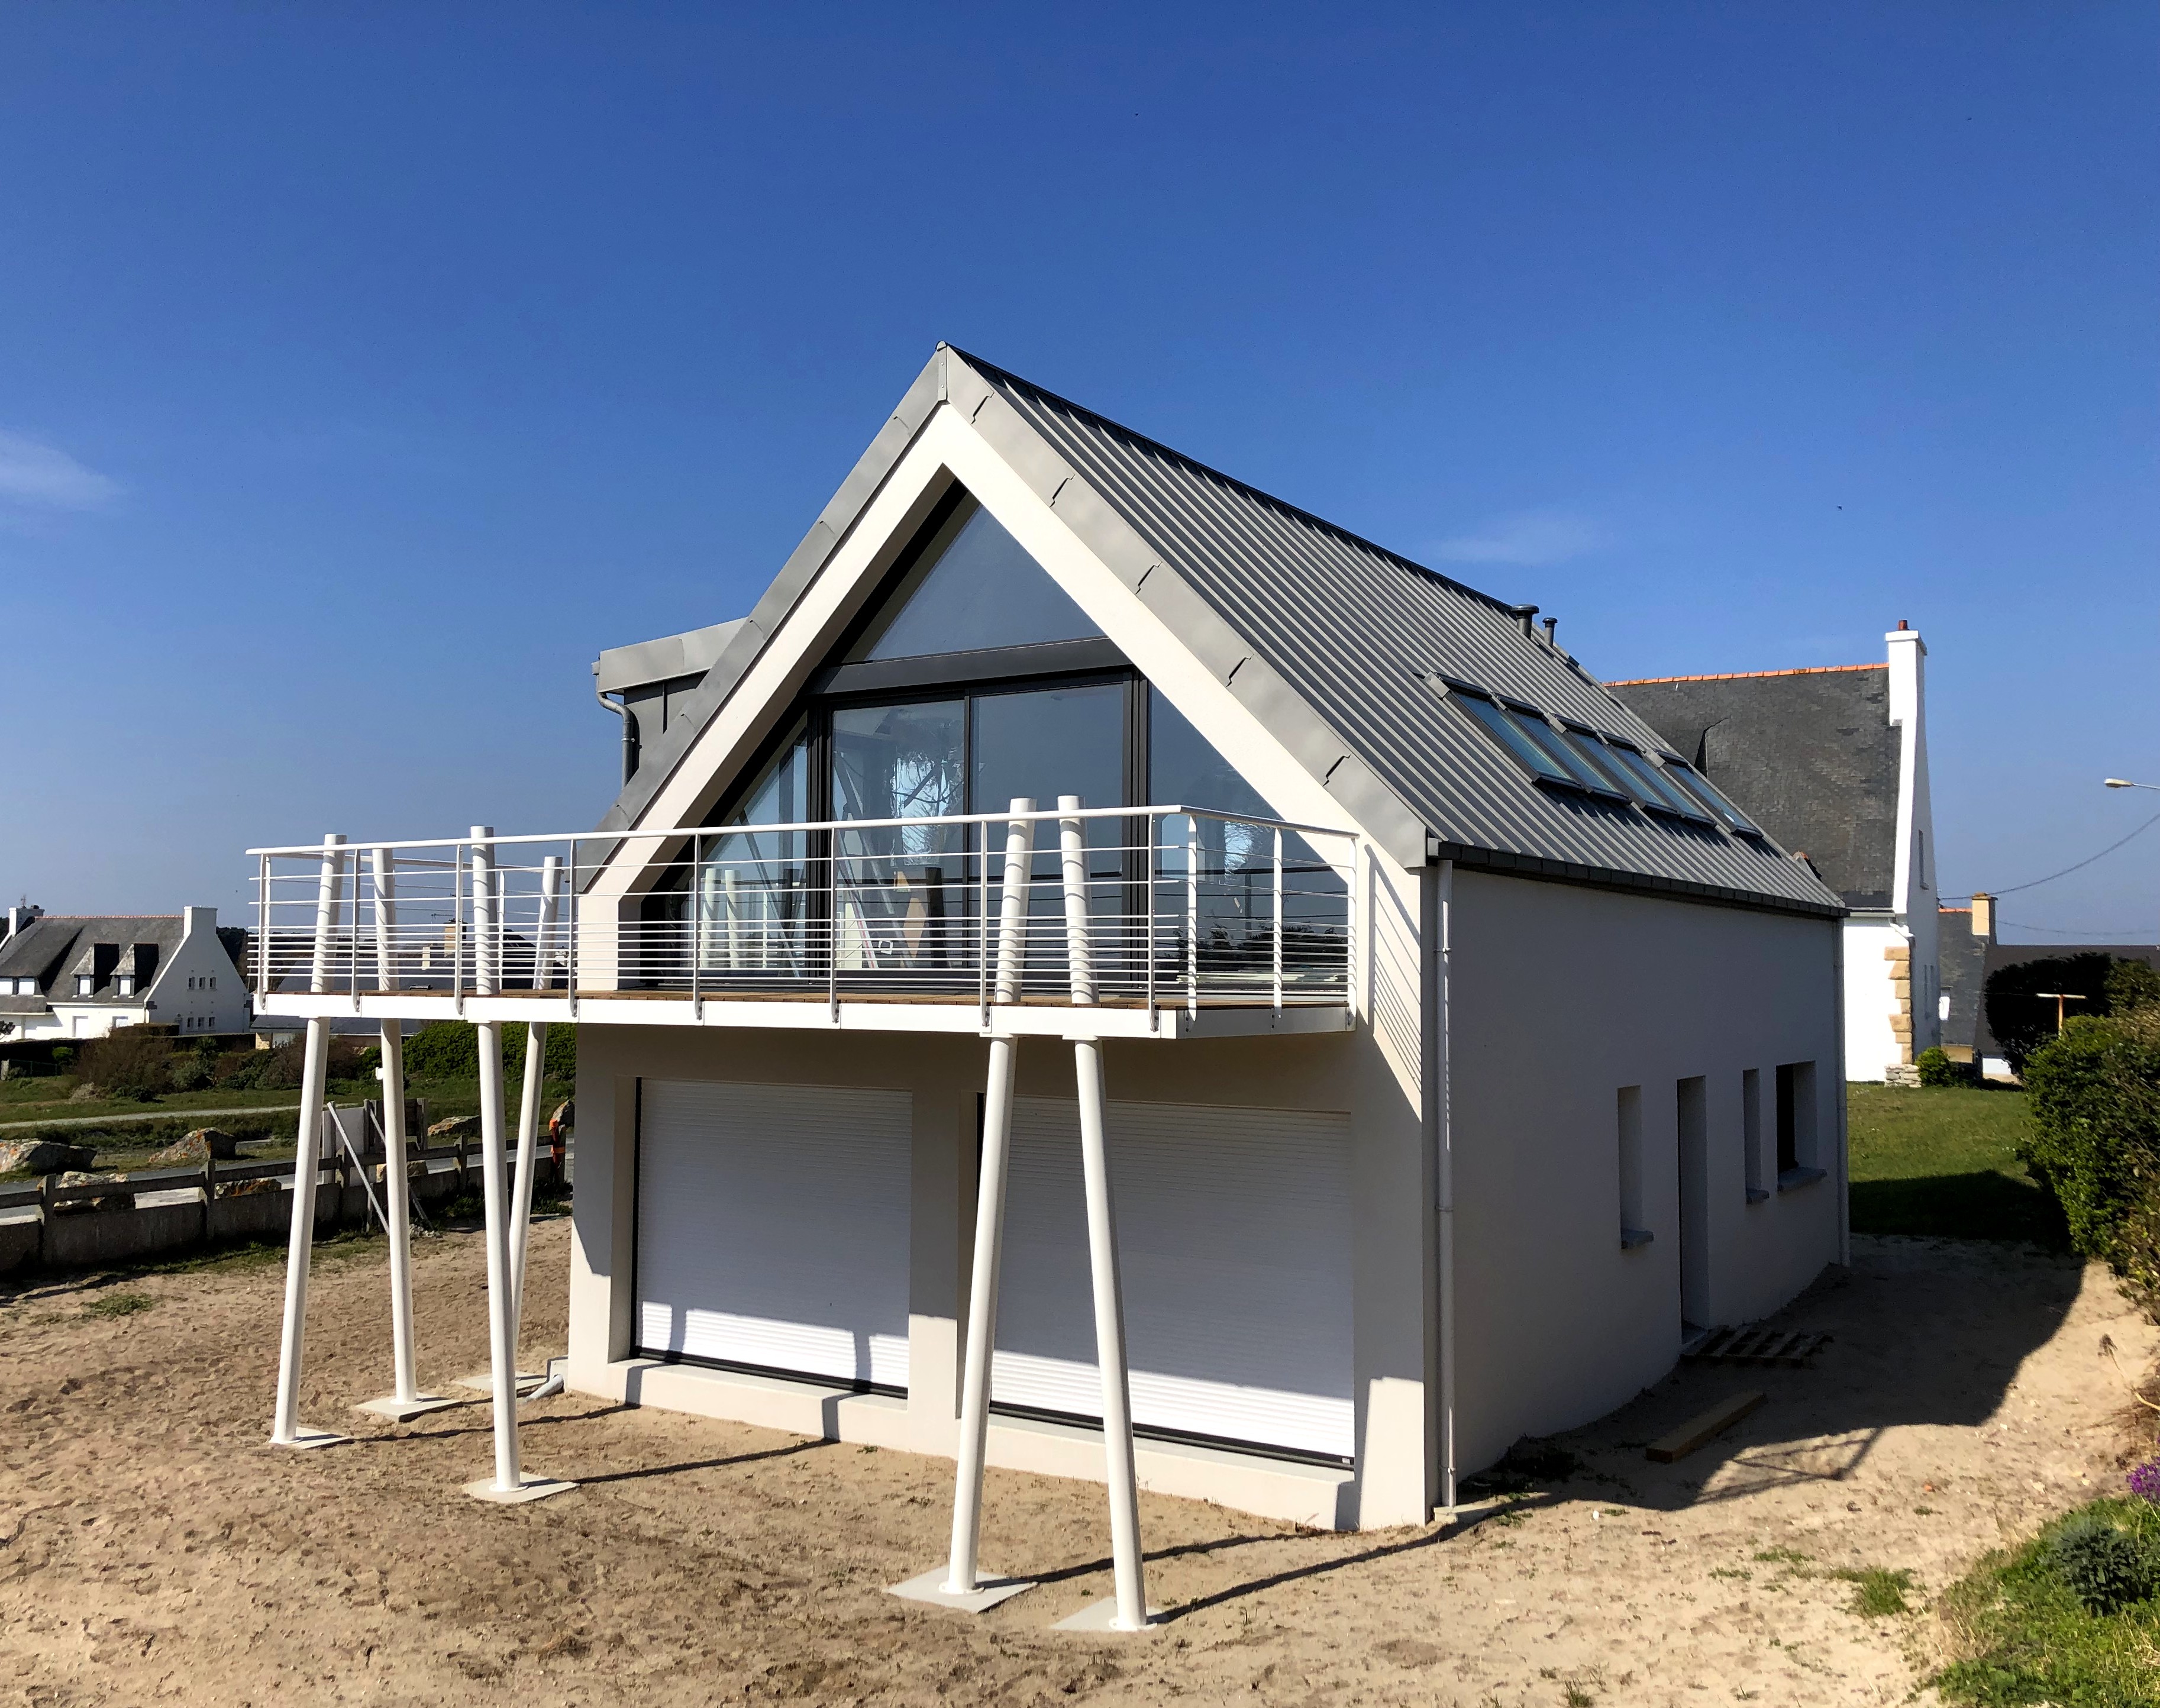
{"x": 1234, "y": 1236}
{"x": 772, "y": 1226}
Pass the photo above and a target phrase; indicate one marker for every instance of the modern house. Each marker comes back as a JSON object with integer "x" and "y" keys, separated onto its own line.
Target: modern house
{"x": 1100, "y": 968}
{"x": 1833, "y": 763}
{"x": 68, "y": 977}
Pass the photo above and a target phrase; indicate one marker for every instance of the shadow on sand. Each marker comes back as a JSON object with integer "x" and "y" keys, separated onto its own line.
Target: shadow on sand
{"x": 1923, "y": 1331}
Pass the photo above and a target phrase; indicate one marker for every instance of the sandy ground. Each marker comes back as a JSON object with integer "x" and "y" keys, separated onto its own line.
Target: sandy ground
{"x": 151, "y": 1549}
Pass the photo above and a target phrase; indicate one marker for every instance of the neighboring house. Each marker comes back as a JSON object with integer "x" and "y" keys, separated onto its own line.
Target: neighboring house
{"x": 1833, "y": 763}
{"x": 1466, "y": 1052}
{"x": 1963, "y": 937}
{"x": 64, "y": 977}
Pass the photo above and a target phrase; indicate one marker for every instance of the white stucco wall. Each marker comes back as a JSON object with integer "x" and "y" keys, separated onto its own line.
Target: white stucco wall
{"x": 1871, "y": 1045}
{"x": 1558, "y": 997}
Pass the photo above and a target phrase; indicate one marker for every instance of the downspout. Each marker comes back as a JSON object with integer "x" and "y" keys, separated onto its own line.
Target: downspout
{"x": 1844, "y": 1101}
{"x": 1444, "y": 1190}
{"x": 629, "y": 727}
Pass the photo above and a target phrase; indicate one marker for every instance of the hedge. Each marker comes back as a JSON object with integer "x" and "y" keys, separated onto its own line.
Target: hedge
{"x": 450, "y": 1049}
{"x": 2095, "y": 1139}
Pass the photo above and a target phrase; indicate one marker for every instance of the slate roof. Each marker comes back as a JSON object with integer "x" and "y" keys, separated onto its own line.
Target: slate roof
{"x": 1962, "y": 964}
{"x": 1300, "y": 618}
{"x": 52, "y": 947}
{"x": 1809, "y": 754}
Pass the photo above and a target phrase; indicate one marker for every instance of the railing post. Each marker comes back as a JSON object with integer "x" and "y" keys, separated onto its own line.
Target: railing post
{"x": 697, "y": 924}
{"x": 983, "y": 920}
{"x": 570, "y": 925}
{"x": 1072, "y": 862}
{"x": 1148, "y": 872}
{"x": 1193, "y": 916}
{"x": 1279, "y": 920}
{"x": 307, "y": 1160}
{"x": 1012, "y": 916}
{"x": 833, "y": 924}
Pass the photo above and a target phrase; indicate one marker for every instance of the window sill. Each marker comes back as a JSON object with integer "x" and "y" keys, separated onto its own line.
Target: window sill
{"x": 1630, "y": 1237}
{"x": 1755, "y": 1195}
{"x": 1793, "y": 1179}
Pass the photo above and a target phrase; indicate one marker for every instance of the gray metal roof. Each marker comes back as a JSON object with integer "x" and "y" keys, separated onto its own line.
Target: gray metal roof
{"x": 1810, "y": 754}
{"x": 663, "y": 660}
{"x": 1327, "y": 637}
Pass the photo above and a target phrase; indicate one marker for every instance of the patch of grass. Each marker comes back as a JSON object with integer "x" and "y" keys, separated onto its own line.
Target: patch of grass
{"x": 1942, "y": 1160}
{"x": 118, "y": 1305}
{"x": 1878, "y": 1592}
{"x": 1739, "y": 1573}
{"x": 1782, "y": 1557}
{"x": 2020, "y": 1634}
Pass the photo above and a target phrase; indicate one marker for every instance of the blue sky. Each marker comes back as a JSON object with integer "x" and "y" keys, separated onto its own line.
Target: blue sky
{"x": 363, "y": 370}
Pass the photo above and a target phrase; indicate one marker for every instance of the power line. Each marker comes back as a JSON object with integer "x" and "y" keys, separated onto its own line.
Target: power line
{"x": 2014, "y": 889}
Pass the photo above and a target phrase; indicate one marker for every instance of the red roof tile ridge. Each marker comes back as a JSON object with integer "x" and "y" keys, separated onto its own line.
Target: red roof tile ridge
{"x": 1743, "y": 675}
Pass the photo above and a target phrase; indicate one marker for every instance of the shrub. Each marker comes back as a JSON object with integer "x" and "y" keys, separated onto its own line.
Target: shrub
{"x": 1936, "y": 1068}
{"x": 263, "y": 1070}
{"x": 192, "y": 1070}
{"x": 2094, "y": 1139}
{"x": 447, "y": 1050}
{"x": 134, "y": 1063}
{"x": 2103, "y": 1567}
{"x": 2145, "y": 1482}
{"x": 2132, "y": 985}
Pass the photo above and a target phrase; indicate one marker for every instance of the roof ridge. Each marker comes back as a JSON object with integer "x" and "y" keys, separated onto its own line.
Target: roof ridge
{"x": 1744, "y": 675}
{"x": 1266, "y": 497}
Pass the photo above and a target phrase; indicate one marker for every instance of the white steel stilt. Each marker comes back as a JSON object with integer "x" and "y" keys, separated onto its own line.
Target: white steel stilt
{"x": 1122, "y": 1472}
{"x": 510, "y": 1482}
{"x": 285, "y": 1429}
{"x": 962, "y": 1583}
{"x": 406, "y": 1401}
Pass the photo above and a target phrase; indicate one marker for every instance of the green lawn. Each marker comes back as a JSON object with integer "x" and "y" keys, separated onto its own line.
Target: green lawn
{"x": 1941, "y": 1160}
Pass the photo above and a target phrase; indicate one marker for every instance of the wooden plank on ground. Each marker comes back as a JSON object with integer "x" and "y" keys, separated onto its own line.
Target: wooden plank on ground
{"x": 1697, "y": 1430}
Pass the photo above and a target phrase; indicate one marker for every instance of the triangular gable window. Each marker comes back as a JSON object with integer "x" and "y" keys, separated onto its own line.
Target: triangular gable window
{"x": 975, "y": 589}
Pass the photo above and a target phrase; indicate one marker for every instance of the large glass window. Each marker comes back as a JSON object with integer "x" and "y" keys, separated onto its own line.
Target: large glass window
{"x": 1232, "y": 865}
{"x": 751, "y": 886}
{"x": 898, "y": 889}
{"x": 976, "y": 588}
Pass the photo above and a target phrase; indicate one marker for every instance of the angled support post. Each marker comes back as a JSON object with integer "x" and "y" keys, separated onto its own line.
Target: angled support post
{"x": 405, "y": 1402}
{"x": 960, "y": 1583}
{"x": 1129, "y": 1609}
{"x": 511, "y": 1482}
{"x": 285, "y": 1430}
{"x": 528, "y": 1109}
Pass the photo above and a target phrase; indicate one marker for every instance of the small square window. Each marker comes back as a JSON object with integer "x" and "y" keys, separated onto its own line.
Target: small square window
{"x": 213, "y": 981}
{"x": 84, "y": 984}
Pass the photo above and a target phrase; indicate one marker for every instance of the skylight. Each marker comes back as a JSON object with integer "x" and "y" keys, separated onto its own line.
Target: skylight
{"x": 1697, "y": 784}
{"x": 1653, "y": 790}
{"x": 1511, "y": 732}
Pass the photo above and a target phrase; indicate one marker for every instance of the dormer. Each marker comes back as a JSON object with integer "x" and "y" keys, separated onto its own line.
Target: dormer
{"x": 136, "y": 971}
{"x": 95, "y": 966}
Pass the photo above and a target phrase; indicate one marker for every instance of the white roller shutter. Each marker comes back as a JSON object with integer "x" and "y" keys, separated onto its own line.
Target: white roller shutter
{"x": 1233, "y": 1236}
{"x": 772, "y": 1227}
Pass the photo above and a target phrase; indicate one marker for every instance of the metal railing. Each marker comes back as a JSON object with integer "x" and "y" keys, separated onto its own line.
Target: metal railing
{"x": 1155, "y": 906}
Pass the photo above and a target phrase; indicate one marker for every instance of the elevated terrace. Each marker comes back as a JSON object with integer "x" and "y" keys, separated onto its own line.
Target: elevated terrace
{"x": 1164, "y": 921}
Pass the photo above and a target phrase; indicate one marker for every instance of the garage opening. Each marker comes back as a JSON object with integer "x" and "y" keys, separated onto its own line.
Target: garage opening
{"x": 1234, "y": 1236}
{"x": 772, "y": 1230}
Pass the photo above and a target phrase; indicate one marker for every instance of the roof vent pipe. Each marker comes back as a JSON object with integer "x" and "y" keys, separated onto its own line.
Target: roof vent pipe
{"x": 1552, "y": 625}
{"x": 1523, "y": 613}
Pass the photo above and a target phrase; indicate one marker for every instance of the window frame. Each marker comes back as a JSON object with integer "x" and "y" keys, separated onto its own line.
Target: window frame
{"x": 1720, "y": 805}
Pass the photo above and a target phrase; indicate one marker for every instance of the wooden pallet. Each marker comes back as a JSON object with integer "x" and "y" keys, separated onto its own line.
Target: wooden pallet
{"x": 1747, "y": 1345}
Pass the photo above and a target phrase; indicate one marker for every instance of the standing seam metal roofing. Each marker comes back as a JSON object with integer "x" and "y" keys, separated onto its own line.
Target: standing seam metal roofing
{"x": 1355, "y": 629}
{"x": 1352, "y": 629}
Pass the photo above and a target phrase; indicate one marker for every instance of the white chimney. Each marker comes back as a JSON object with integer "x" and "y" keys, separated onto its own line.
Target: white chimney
{"x": 195, "y": 919}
